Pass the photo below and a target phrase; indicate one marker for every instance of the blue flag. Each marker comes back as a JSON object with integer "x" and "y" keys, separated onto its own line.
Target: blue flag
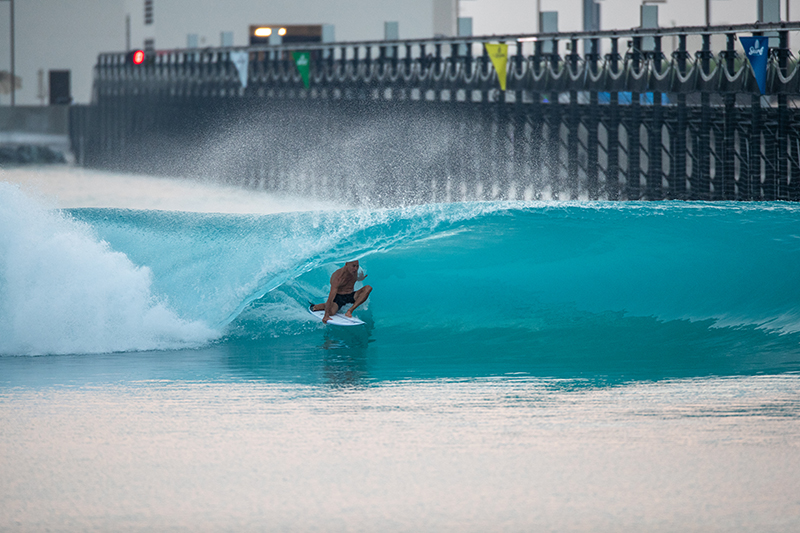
{"x": 757, "y": 51}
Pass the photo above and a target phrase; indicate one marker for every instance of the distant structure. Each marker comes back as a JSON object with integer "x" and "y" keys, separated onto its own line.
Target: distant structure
{"x": 68, "y": 36}
{"x": 536, "y": 116}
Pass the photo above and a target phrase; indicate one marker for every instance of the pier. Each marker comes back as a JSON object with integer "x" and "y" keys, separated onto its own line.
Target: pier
{"x": 642, "y": 114}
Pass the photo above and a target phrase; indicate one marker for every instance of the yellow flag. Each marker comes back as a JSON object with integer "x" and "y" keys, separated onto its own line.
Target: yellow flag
{"x": 499, "y": 54}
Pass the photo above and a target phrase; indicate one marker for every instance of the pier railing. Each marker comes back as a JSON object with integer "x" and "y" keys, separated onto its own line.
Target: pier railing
{"x": 637, "y": 114}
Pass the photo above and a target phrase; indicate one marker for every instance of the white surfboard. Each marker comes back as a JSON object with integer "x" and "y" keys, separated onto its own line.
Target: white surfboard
{"x": 338, "y": 319}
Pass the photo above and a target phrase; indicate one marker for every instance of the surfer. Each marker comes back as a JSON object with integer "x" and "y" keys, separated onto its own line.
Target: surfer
{"x": 343, "y": 291}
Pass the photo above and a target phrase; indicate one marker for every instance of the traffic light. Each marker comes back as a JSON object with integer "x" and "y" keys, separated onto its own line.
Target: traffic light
{"x": 135, "y": 57}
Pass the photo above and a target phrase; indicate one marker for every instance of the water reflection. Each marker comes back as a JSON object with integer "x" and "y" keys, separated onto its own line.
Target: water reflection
{"x": 345, "y": 353}
{"x": 431, "y": 455}
{"x": 359, "y": 356}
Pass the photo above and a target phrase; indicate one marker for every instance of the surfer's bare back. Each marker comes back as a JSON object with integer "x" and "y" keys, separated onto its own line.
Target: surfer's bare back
{"x": 342, "y": 291}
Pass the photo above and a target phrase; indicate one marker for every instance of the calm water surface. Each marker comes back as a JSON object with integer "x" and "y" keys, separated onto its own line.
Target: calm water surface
{"x": 130, "y": 443}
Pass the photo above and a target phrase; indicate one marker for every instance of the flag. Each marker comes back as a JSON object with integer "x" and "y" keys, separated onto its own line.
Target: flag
{"x": 499, "y": 56}
{"x": 302, "y": 60}
{"x": 757, "y": 51}
{"x": 241, "y": 60}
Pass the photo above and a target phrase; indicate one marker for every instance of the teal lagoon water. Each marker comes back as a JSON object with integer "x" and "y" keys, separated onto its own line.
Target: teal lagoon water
{"x": 553, "y": 366}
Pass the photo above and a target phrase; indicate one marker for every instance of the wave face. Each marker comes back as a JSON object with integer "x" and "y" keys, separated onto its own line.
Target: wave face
{"x": 531, "y": 287}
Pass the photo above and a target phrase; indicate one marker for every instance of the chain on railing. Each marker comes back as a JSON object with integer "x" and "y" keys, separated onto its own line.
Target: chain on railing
{"x": 463, "y": 65}
{"x": 598, "y": 115}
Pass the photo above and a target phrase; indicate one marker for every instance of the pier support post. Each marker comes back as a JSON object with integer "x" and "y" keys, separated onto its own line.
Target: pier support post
{"x": 728, "y": 174}
{"x": 633, "y": 185}
{"x": 536, "y": 119}
{"x": 678, "y": 167}
{"x": 518, "y": 168}
{"x": 612, "y": 177}
{"x": 592, "y": 184}
{"x": 703, "y": 181}
{"x": 655, "y": 142}
{"x": 572, "y": 126}
{"x": 553, "y": 158}
{"x": 782, "y": 192}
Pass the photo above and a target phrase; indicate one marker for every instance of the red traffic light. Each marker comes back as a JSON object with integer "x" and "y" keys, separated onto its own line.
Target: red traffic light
{"x": 138, "y": 57}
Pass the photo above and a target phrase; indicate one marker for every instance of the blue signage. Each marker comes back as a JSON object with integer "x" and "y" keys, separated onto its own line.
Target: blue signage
{"x": 757, "y": 51}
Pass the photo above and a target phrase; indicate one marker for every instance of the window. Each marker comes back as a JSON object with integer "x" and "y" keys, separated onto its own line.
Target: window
{"x": 148, "y": 11}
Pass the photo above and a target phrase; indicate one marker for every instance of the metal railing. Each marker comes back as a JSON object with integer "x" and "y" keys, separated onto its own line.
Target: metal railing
{"x": 640, "y": 114}
{"x": 636, "y": 60}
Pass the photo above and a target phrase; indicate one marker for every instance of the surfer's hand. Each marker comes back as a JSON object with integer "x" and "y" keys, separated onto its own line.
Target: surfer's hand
{"x": 361, "y": 277}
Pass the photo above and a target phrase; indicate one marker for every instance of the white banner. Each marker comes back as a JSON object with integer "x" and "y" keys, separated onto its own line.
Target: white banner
{"x": 241, "y": 60}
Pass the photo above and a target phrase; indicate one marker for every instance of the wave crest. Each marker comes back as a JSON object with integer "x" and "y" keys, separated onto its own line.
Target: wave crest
{"x": 66, "y": 291}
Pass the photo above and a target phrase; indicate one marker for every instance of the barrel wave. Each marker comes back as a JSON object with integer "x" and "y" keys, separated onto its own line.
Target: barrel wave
{"x": 495, "y": 288}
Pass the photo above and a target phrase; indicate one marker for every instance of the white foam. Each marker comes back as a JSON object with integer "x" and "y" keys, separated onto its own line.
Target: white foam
{"x": 64, "y": 291}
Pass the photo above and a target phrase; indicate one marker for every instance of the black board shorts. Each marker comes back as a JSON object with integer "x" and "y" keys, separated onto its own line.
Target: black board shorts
{"x": 342, "y": 299}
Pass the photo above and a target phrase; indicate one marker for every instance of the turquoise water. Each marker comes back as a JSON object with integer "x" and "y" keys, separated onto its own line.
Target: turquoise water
{"x": 628, "y": 290}
{"x": 561, "y": 366}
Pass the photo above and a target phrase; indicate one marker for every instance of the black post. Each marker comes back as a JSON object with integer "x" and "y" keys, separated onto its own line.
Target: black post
{"x": 573, "y": 125}
{"x": 486, "y": 175}
{"x": 677, "y": 186}
{"x": 654, "y": 170}
{"x": 728, "y": 177}
{"x": 755, "y": 157}
{"x": 591, "y": 125}
{"x": 437, "y": 68}
{"x": 783, "y": 122}
{"x": 612, "y": 178}
{"x": 703, "y": 190}
{"x": 13, "y": 65}
{"x": 634, "y": 126}
{"x": 537, "y": 128}
{"x": 553, "y": 158}
{"x": 519, "y": 131}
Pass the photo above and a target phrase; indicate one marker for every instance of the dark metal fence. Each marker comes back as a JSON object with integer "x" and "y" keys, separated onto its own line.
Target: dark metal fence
{"x": 642, "y": 114}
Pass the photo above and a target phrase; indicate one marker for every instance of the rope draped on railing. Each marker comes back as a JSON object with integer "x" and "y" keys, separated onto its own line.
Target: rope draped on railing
{"x": 463, "y": 64}
{"x": 596, "y": 115}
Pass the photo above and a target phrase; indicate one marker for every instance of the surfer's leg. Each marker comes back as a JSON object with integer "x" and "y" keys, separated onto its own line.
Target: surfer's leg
{"x": 361, "y": 296}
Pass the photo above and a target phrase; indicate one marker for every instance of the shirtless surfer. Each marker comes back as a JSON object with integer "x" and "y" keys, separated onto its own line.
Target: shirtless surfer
{"x": 342, "y": 291}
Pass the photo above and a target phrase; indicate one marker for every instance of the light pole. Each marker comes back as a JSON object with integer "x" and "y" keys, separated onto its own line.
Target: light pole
{"x": 539, "y": 16}
{"x": 13, "y": 73}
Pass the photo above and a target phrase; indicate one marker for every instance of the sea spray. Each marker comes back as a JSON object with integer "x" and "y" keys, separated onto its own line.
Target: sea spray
{"x": 62, "y": 290}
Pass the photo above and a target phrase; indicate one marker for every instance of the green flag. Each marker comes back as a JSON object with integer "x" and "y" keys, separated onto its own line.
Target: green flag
{"x": 302, "y": 60}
